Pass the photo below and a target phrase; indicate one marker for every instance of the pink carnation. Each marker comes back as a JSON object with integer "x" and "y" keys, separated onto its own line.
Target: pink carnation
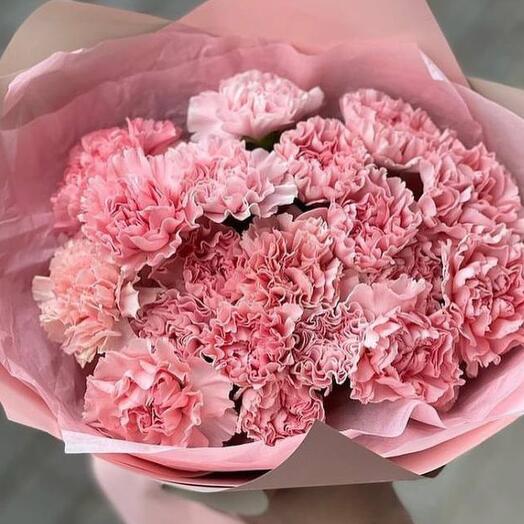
{"x": 229, "y": 180}
{"x": 279, "y": 409}
{"x": 327, "y": 161}
{"x": 484, "y": 289}
{"x": 464, "y": 187}
{"x": 89, "y": 158}
{"x": 375, "y": 224}
{"x": 327, "y": 346}
{"x": 394, "y": 132}
{"x": 205, "y": 265}
{"x": 177, "y": 316}
{"x": 289, "y": 260}
{"x": 78, "y": 301}
{"x": 140, "y": 210}
{"x": 421, "y": 259}
{"x": 248, "y": 343}
{"x": 154, "y": 137}
{"x": 405, "y": 354}
{"x": 251, "y": 104}
{"x": 145, "y": 393}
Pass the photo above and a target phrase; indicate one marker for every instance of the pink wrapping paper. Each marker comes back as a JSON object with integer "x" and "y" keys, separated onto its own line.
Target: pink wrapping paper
{"x": 41, "y": 103}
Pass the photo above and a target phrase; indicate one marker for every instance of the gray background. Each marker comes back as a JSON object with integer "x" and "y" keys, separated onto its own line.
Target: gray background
{"x": 38, "y": 483}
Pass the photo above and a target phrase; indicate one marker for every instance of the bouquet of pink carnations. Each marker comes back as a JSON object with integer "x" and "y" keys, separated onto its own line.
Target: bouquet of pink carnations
{"x": 229, "y": 283}
{"x": 223, "y": 255}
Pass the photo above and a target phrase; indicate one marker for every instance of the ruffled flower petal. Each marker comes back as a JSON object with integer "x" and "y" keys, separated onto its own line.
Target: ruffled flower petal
{"x": 250, "y": 105}
{"x": 279, "y": 409}
{"x": 484, "y": 288}
{"x": 90, "y": 157}
{"x": 145, "y": 393}
{"x": 327, "y": 161}
{"x": 78, "y": 301}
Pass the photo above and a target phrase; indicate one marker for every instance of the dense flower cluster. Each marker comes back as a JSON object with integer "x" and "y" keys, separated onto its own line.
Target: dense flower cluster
{"x": 228, "y": 284}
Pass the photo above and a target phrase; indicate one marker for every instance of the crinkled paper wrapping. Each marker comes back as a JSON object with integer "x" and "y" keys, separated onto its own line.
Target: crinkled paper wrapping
{"x": 151, "y": 69}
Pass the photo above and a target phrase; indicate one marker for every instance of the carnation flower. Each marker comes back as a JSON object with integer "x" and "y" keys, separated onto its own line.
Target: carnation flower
{"x": 154, "y": 137}
{"x": 394, "y": 132}
{"x": 145, "y": 393}
{"x": 484, "y": 288}
{"x": 78, "y": 301}
{"x": 421, "y": 259}
{"x": 251, "y": 105}
{"x": 405, "y": 354}
{"x": 249, "y": 343}
{"x": 140, "y": 210}
{"x": 327, "y": 346}
{"x": 229, "y": 180}
{"x": 447, "y": 187}
{"x": 205, "y": 265}
{"x": 178, "y": 316}
{"x": 279, "y": 409}
{"x": 465, "y": 187}
{"x": 90, "y": 157}
{"x": 327, "y": 161}
{"x": 293, "y": 261}
{"x": 375, "y": 224}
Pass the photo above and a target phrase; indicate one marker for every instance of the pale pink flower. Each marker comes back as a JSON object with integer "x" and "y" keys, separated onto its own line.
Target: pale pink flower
{"x": 484, "y": 288}
{"x": 140, "y": 210}
{"x": 279, "y": 409}
{"x": 327, "y": 346}
{"x": 405, "y": 354}
{"x": 251, "y": 105}
{"x": 78, "y": 301}
{"x": 375, "y": 223}
{"x": 228, "y": 180}
{"x": 90, "y": 157}
{"x": 145, "y": 393}
{"x": 289, "y": 260}
{"x": 205, "y": 264}
{"x": 327, "y": 161}
{"x": 447, "y": 188}
{"x": 394, "y": 132}
{"x": 465, "y": 187}
{"x": 154, "y": 137}
{"x": 178, "y": 316}
{"x": 421, "y": 259}
{"x": 249, "y": 343}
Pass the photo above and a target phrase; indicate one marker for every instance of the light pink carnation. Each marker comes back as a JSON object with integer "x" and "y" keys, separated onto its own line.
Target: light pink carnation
{"x": 464, "y": 187}
{"x": 326, "y": 159}
{"x": 405, "y": 354}
{"x": 251, "y": 105}
{"x": 229, "y": 180}
{"x": 180, "y": 317}
{"x": 279, "y": 409}
{"x": 421, "y": 259}
{"x": 394, "y": 132}
{"x": 375, "y": 224}
{"x": 78, "y": 301}
{"x": 154, "y": 137}
{"x": 145, "y": 393}
{"x": 90, "y": 157}
{"x": 327, "y": 346}
{"x": 248, "y": 343}
{"x": 484, "y": 289}
{"x": 140, "y": 210}
{"x": 289, "y": 260}
{"x": 447, "y": 188}
{"x": 205, "y": 265}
